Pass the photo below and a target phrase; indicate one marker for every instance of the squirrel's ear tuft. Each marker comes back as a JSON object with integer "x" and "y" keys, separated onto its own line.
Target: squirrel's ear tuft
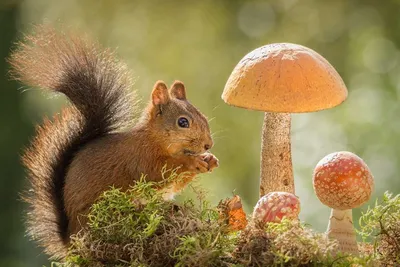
{"x": 178, "y": 90}
{"x": 160, "y": 95}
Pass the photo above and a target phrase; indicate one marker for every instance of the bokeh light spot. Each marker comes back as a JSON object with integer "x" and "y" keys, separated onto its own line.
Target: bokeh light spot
{"x": 380, "y": 55}
{"x": 256, "y": 19}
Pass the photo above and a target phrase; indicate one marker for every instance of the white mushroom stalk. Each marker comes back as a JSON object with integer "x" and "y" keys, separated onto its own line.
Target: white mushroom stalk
{"x": 276, "y": 156}
{"x": 342, "y": 181}
{"x": 280, "y": 79}
{"x": 341, "y": 228}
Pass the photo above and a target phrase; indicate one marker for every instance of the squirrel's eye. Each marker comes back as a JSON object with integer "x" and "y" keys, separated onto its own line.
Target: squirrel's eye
{"x": 183, "y": 122}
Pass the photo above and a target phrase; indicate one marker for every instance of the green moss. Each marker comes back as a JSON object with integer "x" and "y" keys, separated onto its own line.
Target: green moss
{"x": 139, "y": 228}
{"x": 290, "y": 243}
{"x": 382, "y": 223}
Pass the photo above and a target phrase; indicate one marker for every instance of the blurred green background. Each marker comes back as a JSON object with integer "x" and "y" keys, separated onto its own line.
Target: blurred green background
{"x": 199, "y": 42}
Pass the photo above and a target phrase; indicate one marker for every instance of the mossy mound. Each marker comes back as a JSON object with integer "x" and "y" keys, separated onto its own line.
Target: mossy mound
{"x": 139, "y": 228}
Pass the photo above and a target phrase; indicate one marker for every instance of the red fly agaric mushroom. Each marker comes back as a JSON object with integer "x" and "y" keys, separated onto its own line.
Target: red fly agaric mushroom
{"x": 342, "y": 181}
{"x": 275, "y": 206}
{"x": 280, "y": 79}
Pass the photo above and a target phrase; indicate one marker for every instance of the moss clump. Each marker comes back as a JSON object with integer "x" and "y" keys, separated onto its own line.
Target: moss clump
{"x": 289, "y": 243}
{"x": 382, "y": 223}
{"x": 138, "y": 228}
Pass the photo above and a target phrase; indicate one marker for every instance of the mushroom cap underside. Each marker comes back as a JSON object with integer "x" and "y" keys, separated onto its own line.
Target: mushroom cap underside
{"x": 284, "y": 77}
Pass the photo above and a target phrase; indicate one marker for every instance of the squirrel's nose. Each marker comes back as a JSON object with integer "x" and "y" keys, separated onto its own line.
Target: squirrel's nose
{"x": 208, "y": 146}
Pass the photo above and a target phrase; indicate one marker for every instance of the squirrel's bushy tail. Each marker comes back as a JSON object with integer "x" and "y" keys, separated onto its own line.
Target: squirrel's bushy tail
{"x": 98, "y": 87}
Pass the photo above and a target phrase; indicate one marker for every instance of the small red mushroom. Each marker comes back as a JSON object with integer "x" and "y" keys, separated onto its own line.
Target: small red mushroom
{"x": 275, "y": 206}
{"x": 342, "y": 181}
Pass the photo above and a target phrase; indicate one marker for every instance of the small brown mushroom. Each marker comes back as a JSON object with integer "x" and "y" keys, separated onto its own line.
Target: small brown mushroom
{"x": 280, "y": 79}
{"x": 342, "y": 181}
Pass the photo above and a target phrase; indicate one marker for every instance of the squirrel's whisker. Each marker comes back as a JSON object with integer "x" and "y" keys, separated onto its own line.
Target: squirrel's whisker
{"x": 210, "y": 120}
{"x": 219, "y": 137}
{"x": 217, "y": 106}
{"x": 217, "y": 132}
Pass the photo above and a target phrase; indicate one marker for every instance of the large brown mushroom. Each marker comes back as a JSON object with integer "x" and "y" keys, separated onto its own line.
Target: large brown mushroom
{"x": 280, "y": 79}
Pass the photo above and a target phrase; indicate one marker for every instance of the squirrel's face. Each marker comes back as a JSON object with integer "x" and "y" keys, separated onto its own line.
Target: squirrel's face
{"x": 184, "y": 128}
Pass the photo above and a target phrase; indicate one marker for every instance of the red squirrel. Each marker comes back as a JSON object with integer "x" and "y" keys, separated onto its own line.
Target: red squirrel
{"x": 92, "y": 145}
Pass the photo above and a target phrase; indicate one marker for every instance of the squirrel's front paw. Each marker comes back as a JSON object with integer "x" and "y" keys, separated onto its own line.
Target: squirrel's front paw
{"x": 211, "y": 160}
{"x": 199, "y": 165}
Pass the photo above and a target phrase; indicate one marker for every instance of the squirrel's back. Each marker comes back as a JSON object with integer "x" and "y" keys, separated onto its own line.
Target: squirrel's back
{"x": 98, "y": 88}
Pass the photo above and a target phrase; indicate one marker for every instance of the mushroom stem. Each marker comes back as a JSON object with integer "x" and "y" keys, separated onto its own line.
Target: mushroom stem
{"x": 276, "y": 158}
{"x": 341, "y": 228}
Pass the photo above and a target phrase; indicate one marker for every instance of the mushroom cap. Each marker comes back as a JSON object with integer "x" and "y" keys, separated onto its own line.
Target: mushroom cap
{"x": 343, "y": 181}
{"x": 284, "y": 77}
{"x": 274, "y": 206}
